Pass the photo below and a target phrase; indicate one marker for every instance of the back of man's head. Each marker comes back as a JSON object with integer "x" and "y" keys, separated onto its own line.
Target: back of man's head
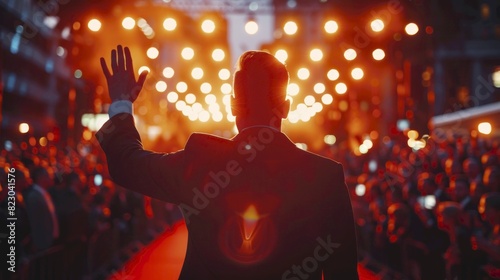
{"x": 260, "y": 79}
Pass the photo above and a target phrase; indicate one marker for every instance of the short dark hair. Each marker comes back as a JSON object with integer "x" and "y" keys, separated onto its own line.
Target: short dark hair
{"x": 260, "y": 63}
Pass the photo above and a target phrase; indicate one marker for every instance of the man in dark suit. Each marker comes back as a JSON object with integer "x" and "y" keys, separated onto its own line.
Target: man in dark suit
{"x": 256, "y": 206}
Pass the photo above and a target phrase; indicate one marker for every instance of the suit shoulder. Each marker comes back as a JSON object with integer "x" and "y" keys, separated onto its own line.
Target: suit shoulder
{"x": 206, "y": 142}
{"x": 321, "y": 160}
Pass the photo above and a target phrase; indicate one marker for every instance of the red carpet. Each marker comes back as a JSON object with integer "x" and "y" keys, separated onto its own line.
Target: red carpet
{"x": 163, "y": 258}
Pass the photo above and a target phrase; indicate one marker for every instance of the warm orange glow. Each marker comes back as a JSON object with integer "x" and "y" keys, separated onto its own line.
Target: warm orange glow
{"x": 218, "y": 55}
{"x": 153, "y": 53}
{"x": 292, "y": 89}
{"x": 333, "y": 74}
{"x": 168, "y": 72}
{"x": 303, "y": 73}
{"x": 357, "y": 73}
{"x": 250, "y": 219}
{"x": 316, "y": 55}
{"x": 341, "y": 88}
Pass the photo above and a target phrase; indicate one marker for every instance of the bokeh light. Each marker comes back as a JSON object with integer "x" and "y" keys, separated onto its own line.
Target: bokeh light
{"x": 378, "y": 54}
{"x": 484, "y": 128}
{"x": 161, "y": 86}
{"x": 319, "y": 88}
{"x": 292, "y": 89}
{"x": 316, "y": 54}
{"x": 208, "y": 26}
{"x": 377, "y": 25}
{"x": 224, "y": 74}
{"x": 128, "y": 23}
{"x": 187, "y": 53}
{"x": 24, "y": 128}
{"x": 303, "y": 73}
{"x": 350, "y": 54}
{"x": 172, "y": 97}
{"x": 327, "y": 99}
{"x": 251, "y": 27}
{"x": 411, "y": 29}
{"x": 94, "y": 25}
{"x": 331, "y": 26}
{"x": 281, "y": 55}
{"x": 218, "y": 55}
{"x": 153, "y": 53}
{"x": 181, "y": 87}
{"x": 290, "y": 27}
{"x": 168, "y": 72}
{"x": 357, "y": 73}
{"x": 197, "y": 73}
{"x": 169, "y": 24}
{"x": 341, "y": 88}
{"x": 333, "y": 74}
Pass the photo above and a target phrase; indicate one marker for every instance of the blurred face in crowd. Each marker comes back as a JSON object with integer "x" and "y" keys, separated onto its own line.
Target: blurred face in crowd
{"x": 488, "y": 214}
{"x": 490, "y": 179}
{"x": 471, "y": 168}
{"x": 459, "y": 190}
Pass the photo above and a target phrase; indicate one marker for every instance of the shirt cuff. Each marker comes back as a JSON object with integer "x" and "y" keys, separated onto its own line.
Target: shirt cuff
{"x": 120, "y": 106}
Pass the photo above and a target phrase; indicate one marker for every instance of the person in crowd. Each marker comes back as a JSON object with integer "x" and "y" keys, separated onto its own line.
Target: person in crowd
{"x": 41, "y": 210}
{"x": 472, "y": 169}
{"x": 491, "y": 178}
{"x": 489, "y": 208}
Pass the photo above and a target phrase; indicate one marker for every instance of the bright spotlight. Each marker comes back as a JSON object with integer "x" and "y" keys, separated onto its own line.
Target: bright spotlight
{"x": 210, "y": 99}
{"x": 496, "y": 78}
{"x": 331, "y": 26}
{"x": 292, "y": 89}
{"x": 24, "y": 128}
{"x": 208, "y": 26}
{"x": 357, "y": 73}
{"x": 190, "y": 98}
{"x": 172, "y": 97}
{"x": 378, "y": 54}
{"x": 290, "y": 28}
{"x": 350, "y": 54}
{"x": 309, "y": 100}
{"x": 411, "y": 29}
{"x": 197, "y": 73}
{"x": 333, "y": 74}
{"x": 152, "y": 53}
{"x": 94, "y": 25}
{"x": 303, "y": 73}
{"x": 168, "y": 72}
{"x": 319, "y": 88}
{"x": 377, "y": 25}
{"x": 224, "y": 74}
{"x": 484, "y": 128}
{"x": 206, "y": 88}
{"x": 169, "y": 24}
{"x": 341, "y": 88}
{"x": 181, "y": 87}
{"x": 128, "y": 23}
{"x": 218, "y": 55}
{"x": 327, "y": 99}
{"x": 316, "y": 55}
{"x": 187, "y": 53}
{"x": 161, "y": 86}
{"x": 281, "y": 55}
{"x": 251, "y": 27}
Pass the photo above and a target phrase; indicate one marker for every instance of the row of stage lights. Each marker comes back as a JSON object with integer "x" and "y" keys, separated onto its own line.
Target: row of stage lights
{"x": 251, "y": 27}
{"x": 188, "y": 100}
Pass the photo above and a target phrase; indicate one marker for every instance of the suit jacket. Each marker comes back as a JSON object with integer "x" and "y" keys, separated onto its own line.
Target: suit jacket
{"x": 40, "y": 219}
{"x": 256, "y": 206}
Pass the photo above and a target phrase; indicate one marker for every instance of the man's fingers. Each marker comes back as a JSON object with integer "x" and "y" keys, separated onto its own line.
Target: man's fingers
{"x": 105, "y": 69}
{"x": 128, "y": 60}
{"x": 114, "y": 64}
{"x": 142, "y": 78}
{"x": 121, "y": 63}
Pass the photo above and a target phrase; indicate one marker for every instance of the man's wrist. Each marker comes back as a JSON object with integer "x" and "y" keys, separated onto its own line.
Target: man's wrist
{"x": 120, "y": 106}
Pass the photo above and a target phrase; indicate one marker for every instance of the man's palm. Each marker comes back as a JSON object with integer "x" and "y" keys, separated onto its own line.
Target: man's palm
{"x": 122, "y": 84}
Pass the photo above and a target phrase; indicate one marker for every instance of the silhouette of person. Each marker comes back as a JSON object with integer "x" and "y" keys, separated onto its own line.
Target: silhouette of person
{"x": 256, "y": 206}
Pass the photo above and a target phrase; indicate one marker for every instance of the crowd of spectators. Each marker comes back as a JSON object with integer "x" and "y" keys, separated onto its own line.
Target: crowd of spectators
{"x": 63, "y": 197}
{"x": 429, "y": 213}
{"x": 432, "y": 213}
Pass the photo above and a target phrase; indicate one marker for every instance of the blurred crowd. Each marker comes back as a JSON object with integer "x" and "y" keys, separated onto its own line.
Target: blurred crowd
{"x": 431, "y": 212}
{"x": 63, "y": 197}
